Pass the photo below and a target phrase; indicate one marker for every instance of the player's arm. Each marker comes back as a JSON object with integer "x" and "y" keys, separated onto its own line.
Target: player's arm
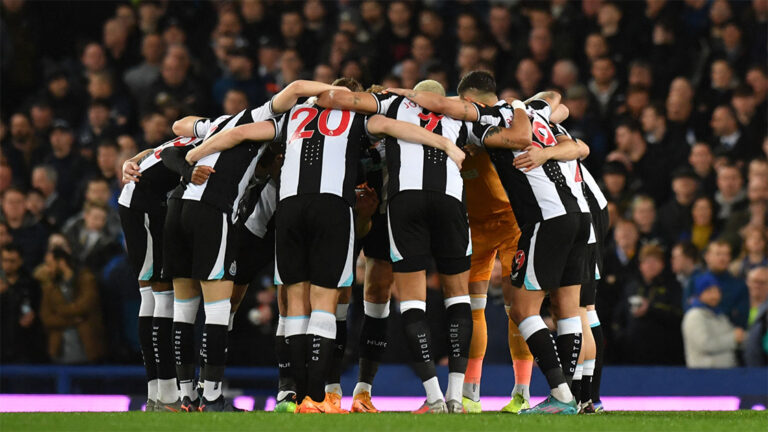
{"x": 452, "y": 107}
{"x": 566, "y": 150}
{"x": 559, "y": 114}
{"x": 381, "y": 125}
{"x": 186, "y": 126}
{"x": 551, "y": 97}
{"x": 287, "y": 98}
{"x": 517, "y": 136}
{"x": 360, "y": 102}
{"x": 131, "y": 167}
{"x": 258, "y": 131}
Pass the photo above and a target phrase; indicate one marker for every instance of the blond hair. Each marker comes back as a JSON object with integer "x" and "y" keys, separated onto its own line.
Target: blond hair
{"x": 430, "y": 86}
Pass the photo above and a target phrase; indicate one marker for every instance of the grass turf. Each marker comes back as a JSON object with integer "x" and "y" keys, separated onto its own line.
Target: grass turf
{"x": 741, "y": 421}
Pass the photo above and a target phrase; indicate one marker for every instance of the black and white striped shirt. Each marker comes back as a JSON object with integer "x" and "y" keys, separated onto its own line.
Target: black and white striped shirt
{"x": 233, "y": 167}
{"x": 156, "y": 179}
{"x": 593, "y": 194}
{"x": 545, "y": 192}
{"x": 414, "y": 166}
{"x": 259, "y": 212}
{"x": 322, "y": 150}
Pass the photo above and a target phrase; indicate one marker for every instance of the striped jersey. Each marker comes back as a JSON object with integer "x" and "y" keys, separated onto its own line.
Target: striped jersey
{"x": 233, "y": 167}
{"x": 322, "y": 150}
{"x": 156, "y": 179}
{"x": 595, "y": 197}
{"x": 259, "y": 212}
{"x": 414, "y": 166}
{"x": 545, "y": 192}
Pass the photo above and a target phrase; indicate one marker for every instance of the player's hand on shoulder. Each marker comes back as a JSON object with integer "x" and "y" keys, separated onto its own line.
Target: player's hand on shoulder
{"x": 130, "y": 171}
{"x": 201, "y": 173}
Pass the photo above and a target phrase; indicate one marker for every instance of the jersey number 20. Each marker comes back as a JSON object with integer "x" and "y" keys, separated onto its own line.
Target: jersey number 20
{"x": 322, "y": 123}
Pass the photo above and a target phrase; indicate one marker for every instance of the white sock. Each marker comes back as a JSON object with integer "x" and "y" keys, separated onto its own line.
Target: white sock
{"x": 217, "y": 312}
{"x": 523, "y": 390}
{"x": 185, "y": 310}
{"x": 455, "y": 385}
{"x": 376, "y": 310}
{"x": 163, "y": 304}
{"x": 322, "y": 323}
{"x": 562, "y": 393}
{"x": 152, "y": 389}
{"x": 282, "y": 394}
{"x": 579, "y": 371}
{"x": 341, "y": 311}
{"x": 211, "y": 390}
{"x": 470, "y": 390}
{"x": 333, "y": 388}
{"x": 231, "y": 321}
{"x": 432, "y": 387}
{"x": 187, "y": 389}
{"x": 589, "y": 368}
{"x": 296, "y": 325}
{"x": 361, "y": 387}
{"x": 147, "y": 305}
{"x": 167, "y": 392}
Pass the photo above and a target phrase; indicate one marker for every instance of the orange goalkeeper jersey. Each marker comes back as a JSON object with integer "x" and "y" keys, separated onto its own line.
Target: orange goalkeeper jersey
{"x": 486, "y": 197}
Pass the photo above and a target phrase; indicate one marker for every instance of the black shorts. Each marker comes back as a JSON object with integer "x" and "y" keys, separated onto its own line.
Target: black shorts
{"x": 375, "y": 244}
{"x": 551, "y": 253}
{"x": 314, "y": 241}
{"x": 144, "y": 240}
{"x": 201, "y": 242}
{"x": 424, "y": 224}
{"x": 253, "y": 253}
{"x": 589, "y": 282}
{"x": 601, "y": 220}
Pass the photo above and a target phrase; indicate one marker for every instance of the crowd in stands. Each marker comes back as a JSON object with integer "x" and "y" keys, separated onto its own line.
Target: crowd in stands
{"x": 671, "y": 96}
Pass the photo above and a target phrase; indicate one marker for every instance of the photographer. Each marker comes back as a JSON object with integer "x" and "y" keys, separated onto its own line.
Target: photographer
{"x": 70, "y": 311}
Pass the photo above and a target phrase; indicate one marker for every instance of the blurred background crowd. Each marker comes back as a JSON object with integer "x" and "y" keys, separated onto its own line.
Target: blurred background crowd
{"x": 670, "y": 96}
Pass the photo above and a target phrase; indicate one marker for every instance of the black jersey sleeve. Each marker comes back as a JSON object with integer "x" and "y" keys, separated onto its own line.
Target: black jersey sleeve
{"x": 384, "y": 101}
{"x": 174, "y": 159}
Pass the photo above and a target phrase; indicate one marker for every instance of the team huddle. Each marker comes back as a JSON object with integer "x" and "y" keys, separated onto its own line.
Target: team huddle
{"x": 410, "y": 177}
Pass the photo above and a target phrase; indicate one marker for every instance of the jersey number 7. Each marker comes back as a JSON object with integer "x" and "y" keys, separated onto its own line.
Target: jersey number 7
{"x": 322, "y": 123}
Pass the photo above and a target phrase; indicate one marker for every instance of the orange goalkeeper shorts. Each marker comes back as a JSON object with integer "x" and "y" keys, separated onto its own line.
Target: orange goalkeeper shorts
{"x": 489, "y": 237}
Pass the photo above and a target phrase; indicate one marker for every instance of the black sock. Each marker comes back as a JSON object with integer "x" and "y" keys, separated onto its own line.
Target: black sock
{"x": 459, "y": 336}
{"x": 184, "y": 351}
{"x": 162, "y": 342}
{"x": 321, "y": 353}
{"x": 214, "y": 352}
{"x": 373, "y": 343}
{"x": 568, "y": 347}
{"x": 147, "y": 350}
{"x": 576, "y": 389}
{"x": 283, "y": 352}
{"x": 297, "y": 345}
{"x": 586, "y": 389}
{"x": 334, "y": 374}
{"x": 418, "y": 339}
{"x": 597, "y": 332}
{"x": 544, "y": 351}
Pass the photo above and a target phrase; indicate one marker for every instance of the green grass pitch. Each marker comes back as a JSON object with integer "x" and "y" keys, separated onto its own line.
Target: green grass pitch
{"x": 738, "y": 421}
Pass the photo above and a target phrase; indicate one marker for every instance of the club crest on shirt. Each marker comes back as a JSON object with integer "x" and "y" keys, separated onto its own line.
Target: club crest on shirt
{"x": 233, "y": 268}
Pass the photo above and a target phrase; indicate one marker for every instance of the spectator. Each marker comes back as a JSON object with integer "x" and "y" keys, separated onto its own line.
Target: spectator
{"x": 22, "y": 337}
{"x": 651, "y": 168}
{"x": 735, "y": 297}
{"x": 324, "y": 74}
{"x": 654, "y": 124}
{"x": 41, "y": 115}
{"x": 56, "y": 210}
{"x": 565, "y": 74}
{"x": 35, "y": 205}
{"x": 702, "y": 161}
{"x": 140, "y": 77}
{"x": 97, "y": 127}
{"x": 70, "y": 311}
{"x": 92, "y": 244}
{"x": 22, "y": 150}
{"x": 291, "y": 68}
{"x": 675, "y": 216}
{"x": 256, "y": 22}
{"x": 107, "y": 163}
{"x": 120, "y": 54}
{"x": 757, "y": 78}
{"x": 685, "y": 262}
{"x": 65, "y": 101}
{"x": 744, "y": 106}
{"x": 704, "y": 226}
{"x": 235, "y": 101}
{"x": 644, "y": 218}
{"x": 730, "y": 196}
{"x": 583, "y": 125}
{"x": 27, "y": 233}
{"x": 756, "y": 343}
{"x": 652, "y": 312}
{"x": 156, "y": 129}
{"x": 69, "y": 166}
{"x": 709, "y": 337}
{"x": 241, "y": 76}
{"x": 174, "y": 84}
{"x": 604, "y": 87}
{"x": 728, "y": 137}
{"x": 294, "y": 35}
{"x": 754, "y": 252}
{"x": 528, "y": 76}
{"x": 754, "y": 215}
{"x": 615, "y": 185}
{"x": 97, "y": 191}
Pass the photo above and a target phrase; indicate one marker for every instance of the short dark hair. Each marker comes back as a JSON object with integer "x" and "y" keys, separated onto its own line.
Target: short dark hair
{"x": 630, "y": 124}
{"x": 13, "y": 247}
{"x": 688, "y": 249}
{"x": 479, "y": 80}
{"x": 108, "y": 143}
{"x": 349, "y": 83}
